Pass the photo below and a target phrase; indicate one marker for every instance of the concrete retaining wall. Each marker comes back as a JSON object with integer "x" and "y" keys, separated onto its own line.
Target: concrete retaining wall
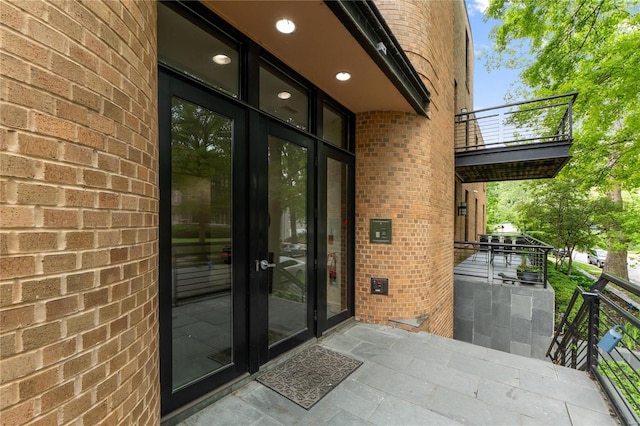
{"x": 510, "y": 318}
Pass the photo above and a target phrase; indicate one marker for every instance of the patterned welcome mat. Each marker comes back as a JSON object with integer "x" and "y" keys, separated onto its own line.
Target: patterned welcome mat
{"x": 308, "y": 376}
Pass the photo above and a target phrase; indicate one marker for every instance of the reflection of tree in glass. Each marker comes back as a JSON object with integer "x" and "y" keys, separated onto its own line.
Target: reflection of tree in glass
{"x": 200, "y": 165}
{"x": 287, "y": 186}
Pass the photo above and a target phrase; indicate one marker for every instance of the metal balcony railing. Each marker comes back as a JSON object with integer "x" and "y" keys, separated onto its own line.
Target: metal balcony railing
{"x": 522, "y": 123}
{"x": 596, "y": 315}
{"x": 517, "y": 259}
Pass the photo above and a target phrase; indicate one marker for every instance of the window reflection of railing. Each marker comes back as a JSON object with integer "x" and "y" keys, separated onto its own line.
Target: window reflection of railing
{"x": 530, "y": 122}
{"x": 199, "y": 269}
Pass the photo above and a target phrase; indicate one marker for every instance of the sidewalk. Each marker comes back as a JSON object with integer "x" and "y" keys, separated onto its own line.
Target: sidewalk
{"x": 421, "y": 379}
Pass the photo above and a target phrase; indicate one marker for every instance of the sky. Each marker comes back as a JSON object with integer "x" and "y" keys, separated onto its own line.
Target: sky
{"x": 490, "y": 88}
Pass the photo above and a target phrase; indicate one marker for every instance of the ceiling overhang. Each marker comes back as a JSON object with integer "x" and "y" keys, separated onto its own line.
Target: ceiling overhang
{"x": 331, "y": 37}
{"x": 536, "y": 161}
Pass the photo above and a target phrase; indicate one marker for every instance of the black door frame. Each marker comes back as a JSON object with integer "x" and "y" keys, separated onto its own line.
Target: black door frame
{"x": 246, "y": 155}
{"x": 325, "y": 152}
{"x": 259, "y": 223}
{"x": 172, "y": 85}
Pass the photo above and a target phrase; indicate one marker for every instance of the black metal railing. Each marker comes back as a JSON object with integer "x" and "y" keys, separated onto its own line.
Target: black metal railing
{"x": 530, "y": 122}
{"x": 600, "y": 333}
{"x": 199, "y": 269}
{"x": 507, "y": 258}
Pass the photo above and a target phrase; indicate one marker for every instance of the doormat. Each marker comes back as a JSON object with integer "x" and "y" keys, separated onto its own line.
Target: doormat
{"x": 308, "y": 376}
{"x": 223, "y": 357}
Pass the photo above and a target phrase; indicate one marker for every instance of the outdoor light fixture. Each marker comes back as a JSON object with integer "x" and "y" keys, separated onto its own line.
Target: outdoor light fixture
{"x": 284, "y": 95}
{"x": 343, "y": 76}
{"x": 221, "y": 59}
{"x": 462, "y": 209}
{"x": 285, "y": 26}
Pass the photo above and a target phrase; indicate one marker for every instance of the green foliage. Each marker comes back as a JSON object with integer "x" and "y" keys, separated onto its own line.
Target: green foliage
{"x": 502, "y": 201}
{"x": 526, "y": 266}
{"x": 564, "y": 285}
{"x": 631, "y": 337}
{"x": 561, "y": 213}
{"x": 577, "y": 277}
{"x": 625, "y": 378}
{"x": 201, "y": 144}
{"x": 590, "y": 47}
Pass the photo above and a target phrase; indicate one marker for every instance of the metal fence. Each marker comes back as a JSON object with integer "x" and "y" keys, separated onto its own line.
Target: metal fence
{"x": 508, "y": 258}
{"x": 600, "y": 333}
{"x": 537, "y": 121}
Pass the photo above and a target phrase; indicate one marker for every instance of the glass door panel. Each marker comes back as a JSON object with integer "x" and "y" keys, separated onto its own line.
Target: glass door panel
{"x": 201, "y": 241}
{"x": 337, "y": 220}
{"x": 287, "y": 239}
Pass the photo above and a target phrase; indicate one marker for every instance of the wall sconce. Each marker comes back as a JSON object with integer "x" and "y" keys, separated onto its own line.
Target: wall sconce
{"x": 462, "y": 209}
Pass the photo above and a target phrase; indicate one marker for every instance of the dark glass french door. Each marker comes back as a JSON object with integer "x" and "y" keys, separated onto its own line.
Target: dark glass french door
{"x": 236, "y": 240}
{"x": 282, "y": 244}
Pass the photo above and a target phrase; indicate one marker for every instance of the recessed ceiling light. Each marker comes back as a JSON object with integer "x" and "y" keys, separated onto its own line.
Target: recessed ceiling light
{"x": 343, "y": 76}
{"x": 284, "y": 95}
{"x": 221, "y": 59}
{"x": 285, "y": 26}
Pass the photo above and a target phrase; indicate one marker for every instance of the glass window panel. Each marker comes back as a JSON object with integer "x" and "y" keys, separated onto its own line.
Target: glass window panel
{"x": 201, "y": 145}
{"x": 333, "y": 126}
{"x": 287, "y": 177}
{"x": 186, "y": 47}
{"x": 337, "y": 237}
{"x": 283, "y": 99}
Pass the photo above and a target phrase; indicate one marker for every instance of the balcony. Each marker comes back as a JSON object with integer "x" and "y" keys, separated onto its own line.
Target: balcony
{"x": 501, "y": 297}
{"x": 522, "y": 140}
{"x": 516, "y": 259}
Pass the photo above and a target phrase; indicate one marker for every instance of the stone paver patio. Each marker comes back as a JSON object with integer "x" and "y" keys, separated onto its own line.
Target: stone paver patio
{"x": 422, "y": 379}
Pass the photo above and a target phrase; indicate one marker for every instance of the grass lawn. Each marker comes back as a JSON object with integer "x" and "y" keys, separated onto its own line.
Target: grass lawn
{"x": 592, "y": 269}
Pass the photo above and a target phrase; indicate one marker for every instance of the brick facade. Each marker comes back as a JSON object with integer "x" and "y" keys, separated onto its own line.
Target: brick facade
{"x": 79, "y": 201}
{"x": 405, "y": 172}
{"x": 395, "y": 179}
{"x": 78, "y": 240}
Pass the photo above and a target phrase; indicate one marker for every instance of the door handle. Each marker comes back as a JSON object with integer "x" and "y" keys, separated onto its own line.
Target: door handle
{"x": 264, "y": 265}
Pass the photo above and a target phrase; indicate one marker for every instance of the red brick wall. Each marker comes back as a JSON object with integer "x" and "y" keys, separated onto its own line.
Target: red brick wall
{"x": 78, "y": 213}
{"x": 405, "y": 172}
{"x": 402, "y": 175}
{"x": 463, "y": 75}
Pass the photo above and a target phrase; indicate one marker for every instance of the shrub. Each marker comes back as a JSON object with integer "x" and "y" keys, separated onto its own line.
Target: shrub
{"x": 625, "y": 378}
{"x": 564, "y": 285}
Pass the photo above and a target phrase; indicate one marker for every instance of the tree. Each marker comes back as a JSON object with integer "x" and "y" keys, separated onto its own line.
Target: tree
{"x": 562, "y": 213}
{"x": 200, "y": 164}
{"x": 502, "y": 199}
{"x": 592, "y": 47}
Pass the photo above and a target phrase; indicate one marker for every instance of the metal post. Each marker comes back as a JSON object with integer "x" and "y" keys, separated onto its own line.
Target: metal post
{"x": 593, "y": 304}
{"x": 574, "y": 347}
{"x": 544, "y": 269}
{"x": 490, "y": 265}
{"x": 570, "y": 115}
